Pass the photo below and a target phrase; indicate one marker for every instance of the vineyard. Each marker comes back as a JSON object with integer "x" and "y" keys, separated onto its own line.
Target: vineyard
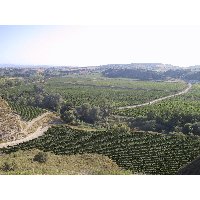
{"x": 93, "y": 89}
{"x": 137, "y": 150}
{"x": 179, "y": 114}
{"x": 115, "y": 92}
{"x": 123, "y": 83}
{"x": 27, "y": 113}
{"x": 166, "y": 109}
{"x": 185, "y": 104}
{"x": 140, "y": 152}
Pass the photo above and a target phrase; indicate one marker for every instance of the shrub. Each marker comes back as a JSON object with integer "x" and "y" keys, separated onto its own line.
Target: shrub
{"x": 41, "y": 157}
{"x": 8, "y": 166}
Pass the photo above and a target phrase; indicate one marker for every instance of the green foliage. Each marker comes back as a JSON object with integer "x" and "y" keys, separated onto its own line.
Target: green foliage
{"x": 40, "y": 157}
{"x": 147, "y": 74}
{"x": 141, "y": 74}
{"x": 138, "y": 151}
{"x": 69, "y": 116}
{"x": 87, "y": 113}
{"x": 53, "y": 102}
{"x": 26, "y": 112}
{"x": 104, "y": 92}
{"x": 119, "y": 128}
{"x": 8, "y": 166}
{"x": 180, "y": 114}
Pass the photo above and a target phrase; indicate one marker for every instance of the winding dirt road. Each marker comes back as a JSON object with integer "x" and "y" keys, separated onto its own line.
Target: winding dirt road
{"x": 157, "y": 100}
{"x": 34, "y": 135}
{"x": 40, "y": 131}
{"x": 36, "y": 120}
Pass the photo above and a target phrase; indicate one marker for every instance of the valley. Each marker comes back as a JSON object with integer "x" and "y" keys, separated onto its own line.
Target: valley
{"x": 141, "y": 126}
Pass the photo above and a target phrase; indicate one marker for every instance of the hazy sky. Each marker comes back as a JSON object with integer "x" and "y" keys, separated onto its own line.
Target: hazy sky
{"x": 95, "y": 45}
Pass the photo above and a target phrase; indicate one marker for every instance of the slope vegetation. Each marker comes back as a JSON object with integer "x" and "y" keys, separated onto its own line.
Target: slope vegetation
{"x": 14, "y": 130}
{"x": 146, "y": 153}
{"x": 10, "y": 124}
{"x": 22, "y": 162}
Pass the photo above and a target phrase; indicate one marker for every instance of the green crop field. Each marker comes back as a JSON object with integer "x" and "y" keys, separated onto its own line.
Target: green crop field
{"x": 139, "y": 152}
{"x": 93, "y": 89}
{"x": 99, "y": 91}
{"x": 185, "y": 105}
{"x": 27, "y": 113}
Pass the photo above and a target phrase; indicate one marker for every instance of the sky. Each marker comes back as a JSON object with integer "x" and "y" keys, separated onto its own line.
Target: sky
{"x": 98, "y": 45}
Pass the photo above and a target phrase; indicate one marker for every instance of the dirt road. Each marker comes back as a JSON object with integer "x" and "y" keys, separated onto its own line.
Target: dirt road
{"x": 36, "y": 120}
{"x": 157, "y": 100}
{"x": 34, "y": 135}
{"x": 40, "y": 130}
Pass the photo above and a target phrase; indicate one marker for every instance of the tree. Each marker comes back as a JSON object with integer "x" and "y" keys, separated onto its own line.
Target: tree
{"x": 196, "y": 128}
{"x": 187, "y": 128}
{"x": 38, "y": 89}
{"x": 94, "y": 114}
{"x": 66, "y": 107}
{"x": 7, "y": 166}
{"x": 119, "y": 128}
{"x": 88, "y": 114}
{"x": 53, "y": 102}
{"x": 39, "y": 100}
{"x": 68, "y": 116}
{"x": 41, "y": 157}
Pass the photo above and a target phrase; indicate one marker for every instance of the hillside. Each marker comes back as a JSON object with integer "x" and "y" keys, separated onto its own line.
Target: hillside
{"x": 139, "y": 152}
{"x": 11, "y": 125}
{"x": 22, "y": 162}
{"x": 192, "y": 168}
{"x": 14, "y": 129}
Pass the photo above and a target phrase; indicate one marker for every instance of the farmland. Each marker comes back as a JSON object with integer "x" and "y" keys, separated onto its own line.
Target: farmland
{"x": 157, "y": 138}
{"x": 27, "y": 113}
{"x": 139, "y": 152}
{"x": 180, "y": 114}
{"x": 99, "y": 91}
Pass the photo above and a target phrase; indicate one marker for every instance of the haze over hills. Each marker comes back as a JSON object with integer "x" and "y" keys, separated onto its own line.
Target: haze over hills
{"x": 131, "y": 65}
{"x": 143, "y": 71}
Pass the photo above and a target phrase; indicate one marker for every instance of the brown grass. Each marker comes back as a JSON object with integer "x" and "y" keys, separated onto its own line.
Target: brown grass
{"x": 85, "y": 164}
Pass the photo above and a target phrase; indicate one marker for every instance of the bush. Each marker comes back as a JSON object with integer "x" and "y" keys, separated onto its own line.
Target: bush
{"x": 119, "y": 128}
{"x": 41, "y": 157}
{"x": 8, "y": 166}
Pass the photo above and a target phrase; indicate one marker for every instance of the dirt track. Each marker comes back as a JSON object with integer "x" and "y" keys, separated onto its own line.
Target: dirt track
{"x": 40, "y": 130}
{"x": 157, "y": 100}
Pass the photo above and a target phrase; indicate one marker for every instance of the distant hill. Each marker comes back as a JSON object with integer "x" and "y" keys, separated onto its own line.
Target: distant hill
{"x": 141, "y": 71}
{"x": 153, "y": 72}
{"x": 194, "y": 68}
{"x": 141, "y": 74}
{"x": 192, "y": 75}
{"x": 144, "y": 66}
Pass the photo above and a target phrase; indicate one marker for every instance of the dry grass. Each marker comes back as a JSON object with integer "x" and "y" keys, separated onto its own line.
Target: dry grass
{"x": 85, "y": 164}
{"x": 12, "y": 127}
